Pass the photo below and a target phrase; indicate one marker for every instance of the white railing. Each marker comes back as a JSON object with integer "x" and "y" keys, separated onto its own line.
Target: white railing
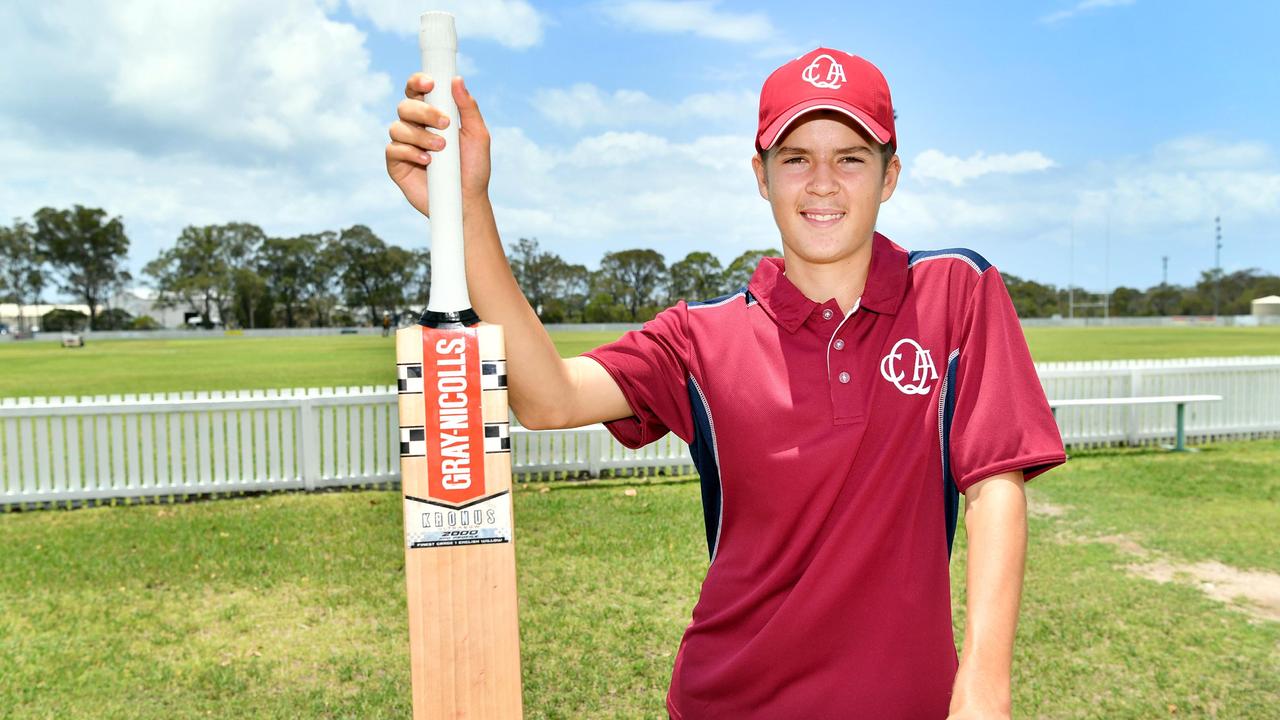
{"x": 1250, "y": 390}
{"x": 74, "y": 449}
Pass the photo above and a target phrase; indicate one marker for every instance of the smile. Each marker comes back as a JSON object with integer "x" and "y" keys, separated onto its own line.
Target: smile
{"x": 822, "y": 217}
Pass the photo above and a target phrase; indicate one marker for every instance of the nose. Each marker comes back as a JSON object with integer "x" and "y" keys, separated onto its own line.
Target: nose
{"x": 822, "y": 179}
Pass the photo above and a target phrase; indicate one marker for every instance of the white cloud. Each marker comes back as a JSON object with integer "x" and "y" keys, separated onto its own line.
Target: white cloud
{"x": 1201, "y": 151}
{"x": 585, "y": 105}
{"x": 936, "y": 165}
{"x": 1122, "y": 214}
{"x": 1080, "y": 7}
{"x": 700, "y": 17}
{"x": 514, "y": 23}
{"x": 234, "y": 77}
{"x": 621, "y": 190}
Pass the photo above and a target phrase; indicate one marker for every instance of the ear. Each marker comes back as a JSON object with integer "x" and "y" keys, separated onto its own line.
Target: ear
{"x": 891, "y": 172}
{"x": 762, "y": 177}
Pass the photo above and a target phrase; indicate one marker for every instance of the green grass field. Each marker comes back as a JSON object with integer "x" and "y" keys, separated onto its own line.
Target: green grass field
{"x": 292, "y": 605}
{"x": 137, "y": 366}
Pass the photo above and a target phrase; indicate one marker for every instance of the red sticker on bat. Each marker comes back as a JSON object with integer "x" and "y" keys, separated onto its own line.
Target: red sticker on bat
{"x": 454, "y": 419}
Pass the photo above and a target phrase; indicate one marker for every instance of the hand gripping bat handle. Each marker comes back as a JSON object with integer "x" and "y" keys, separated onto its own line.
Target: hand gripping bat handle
{"x": 448, "y": 303}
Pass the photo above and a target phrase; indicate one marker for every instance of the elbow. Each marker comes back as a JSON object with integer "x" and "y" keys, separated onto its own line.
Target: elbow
{"x": 539, "y": 418}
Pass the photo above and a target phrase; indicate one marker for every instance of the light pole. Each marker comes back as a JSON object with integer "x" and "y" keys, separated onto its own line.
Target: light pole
{"x": 1217, "y": 262}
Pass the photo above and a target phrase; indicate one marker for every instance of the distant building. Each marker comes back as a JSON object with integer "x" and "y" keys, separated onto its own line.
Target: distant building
{"x": 140, "y": 301}
{"x": 137, "y": 302}
{"x": 1268, "y": 306}
{"x": 9, "y": 313}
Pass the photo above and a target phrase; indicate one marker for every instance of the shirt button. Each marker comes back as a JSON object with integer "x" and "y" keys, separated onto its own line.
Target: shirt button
{"x": 844, "y": 377}
{"x": 826, "y": 314}
{"x": 839, "y": 344}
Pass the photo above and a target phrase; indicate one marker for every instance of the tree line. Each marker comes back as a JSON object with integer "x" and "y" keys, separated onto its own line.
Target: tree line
{"x": 1214, "y": 293}
{"x": 237, "y": 274}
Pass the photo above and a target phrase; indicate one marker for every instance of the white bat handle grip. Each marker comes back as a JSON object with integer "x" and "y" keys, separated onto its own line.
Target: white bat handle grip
{"x": 439, "y": 43}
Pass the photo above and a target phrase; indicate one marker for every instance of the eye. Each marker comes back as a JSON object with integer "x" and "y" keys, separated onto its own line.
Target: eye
{"x": 794, "y": 159}
{"x": 851, "y": 159}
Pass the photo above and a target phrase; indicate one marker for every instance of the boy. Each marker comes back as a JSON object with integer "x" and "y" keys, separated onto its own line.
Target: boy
{"x": 835, "y": 407}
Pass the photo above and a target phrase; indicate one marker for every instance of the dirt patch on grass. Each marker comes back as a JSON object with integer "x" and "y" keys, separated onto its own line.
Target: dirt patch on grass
{"x": 1256, "y": 592}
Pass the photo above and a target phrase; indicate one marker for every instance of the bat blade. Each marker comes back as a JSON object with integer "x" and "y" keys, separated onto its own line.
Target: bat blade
{"x": 455, "y": 466}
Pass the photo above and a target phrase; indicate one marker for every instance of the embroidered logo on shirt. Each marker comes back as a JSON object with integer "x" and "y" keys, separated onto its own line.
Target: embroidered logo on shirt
{"x": 923, "y": 370}
{"x": 824, "y": 72}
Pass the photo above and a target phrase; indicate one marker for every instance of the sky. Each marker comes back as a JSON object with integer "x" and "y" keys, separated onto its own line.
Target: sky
{"x": 1066, "y": 140}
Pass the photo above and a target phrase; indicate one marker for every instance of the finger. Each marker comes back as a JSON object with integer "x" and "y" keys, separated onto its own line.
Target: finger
{"x": 468, "y": 108}
{"x": 410, "y": 134}
{"x": 407, "y": 153}
{"x": 416, "y": 112}
{"x": 419, "y": 85}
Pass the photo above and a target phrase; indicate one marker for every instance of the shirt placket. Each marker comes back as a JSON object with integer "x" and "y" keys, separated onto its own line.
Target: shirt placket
{"x": 842, "y": 379}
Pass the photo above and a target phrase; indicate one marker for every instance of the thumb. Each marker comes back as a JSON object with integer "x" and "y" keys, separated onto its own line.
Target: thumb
{"x": 468, "y": 108}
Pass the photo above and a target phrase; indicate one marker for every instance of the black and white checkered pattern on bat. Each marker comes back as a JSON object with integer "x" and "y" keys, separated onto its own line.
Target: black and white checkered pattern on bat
{"x": 413, "y": 441}
{"x": 493, "y": 374}
{"x": 497, "y": 437}
{"x": 409, "y": 378}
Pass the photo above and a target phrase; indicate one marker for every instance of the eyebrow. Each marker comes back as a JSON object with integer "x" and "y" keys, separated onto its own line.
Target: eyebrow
{"x": 853, "y": 149}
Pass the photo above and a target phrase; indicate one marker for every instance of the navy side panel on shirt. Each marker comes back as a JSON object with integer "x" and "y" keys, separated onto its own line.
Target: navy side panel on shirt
{"x": 950, "y": 494}
{"x": 703, "y": 447}
{"x": 978, "y": 262}
{"x": 703, "y": 451}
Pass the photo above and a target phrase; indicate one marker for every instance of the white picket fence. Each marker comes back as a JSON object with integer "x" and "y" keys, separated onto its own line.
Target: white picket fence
{"x": 1250, "y": 388}
{"x": 180, "y": 444}
{"x": 74, "y": 449}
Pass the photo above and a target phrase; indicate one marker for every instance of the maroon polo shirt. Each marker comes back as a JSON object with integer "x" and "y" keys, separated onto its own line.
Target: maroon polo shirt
{"x": 832, "y": 450}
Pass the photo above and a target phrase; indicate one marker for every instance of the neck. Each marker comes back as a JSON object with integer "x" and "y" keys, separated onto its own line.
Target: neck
{"x": 842, "y": 279}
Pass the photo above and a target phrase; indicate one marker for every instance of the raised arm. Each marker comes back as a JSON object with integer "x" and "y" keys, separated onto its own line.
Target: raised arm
{"x": 545, "y": 390}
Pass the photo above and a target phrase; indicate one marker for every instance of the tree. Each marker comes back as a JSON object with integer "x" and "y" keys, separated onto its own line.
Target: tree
{"x": 1127, "y": 302}
{"x": 63, "y": 321}
{"x": 419, "y": 290}
{"x": 251, "y": 301}
{"x": 739, "y": 272}
{"x": 87, "y": 251}
{"x": 568, "y": 297}
{"x": 115, "y": 319}
{"x": 373, "y": 275}
{"x": 290, "y": 268}
{"x": 22, "y": 274}
{"x": 538, "y": 273}
{"x": 632, "y": 278}
{"x": 200, "y": 269}
{"x": 1030, "y": 298}
{"x": 698, "y": 276}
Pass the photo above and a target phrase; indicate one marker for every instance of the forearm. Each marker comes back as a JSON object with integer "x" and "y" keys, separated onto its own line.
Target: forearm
{"x": 996, "y": 527}
{"x": 539, "y": 382}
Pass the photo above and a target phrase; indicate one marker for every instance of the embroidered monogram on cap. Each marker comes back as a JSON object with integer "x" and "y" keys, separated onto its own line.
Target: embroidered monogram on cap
{"x": 922, "y": 372}
{"x": 834, "y": 75}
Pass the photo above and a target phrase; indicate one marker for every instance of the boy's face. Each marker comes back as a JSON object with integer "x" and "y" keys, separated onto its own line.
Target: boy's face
{"x": 825, "y": 181}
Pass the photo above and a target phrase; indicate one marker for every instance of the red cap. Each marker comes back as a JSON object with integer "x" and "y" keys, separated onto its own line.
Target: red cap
{"x": 825, "y": 79}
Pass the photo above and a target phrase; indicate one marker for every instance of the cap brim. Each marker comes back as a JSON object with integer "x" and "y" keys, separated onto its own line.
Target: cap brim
{"x": 779, "y": 126}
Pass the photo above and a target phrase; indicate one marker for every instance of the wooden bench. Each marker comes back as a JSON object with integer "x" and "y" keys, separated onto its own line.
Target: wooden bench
{"x": 1180, "y": 400}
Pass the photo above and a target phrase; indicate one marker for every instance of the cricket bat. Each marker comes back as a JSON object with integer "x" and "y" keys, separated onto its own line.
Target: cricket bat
{"x": 455, "y": 461}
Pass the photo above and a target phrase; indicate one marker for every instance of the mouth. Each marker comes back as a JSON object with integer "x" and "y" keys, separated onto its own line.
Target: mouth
{"x": 822, "y": 217}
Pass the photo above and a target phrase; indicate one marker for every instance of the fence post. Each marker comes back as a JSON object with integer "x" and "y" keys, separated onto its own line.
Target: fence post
{"x": 1134, "y": 411}
{"x": 309, "y": 435}
{"x": 594, "y": 452}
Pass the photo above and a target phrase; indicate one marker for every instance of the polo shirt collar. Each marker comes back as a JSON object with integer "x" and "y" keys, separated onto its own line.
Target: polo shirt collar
{"x": 783, "y": 301}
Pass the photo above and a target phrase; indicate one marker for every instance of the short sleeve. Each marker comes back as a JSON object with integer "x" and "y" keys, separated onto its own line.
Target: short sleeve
{"x": 1001, "y": 420}
{"x": 650, "y": 366}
